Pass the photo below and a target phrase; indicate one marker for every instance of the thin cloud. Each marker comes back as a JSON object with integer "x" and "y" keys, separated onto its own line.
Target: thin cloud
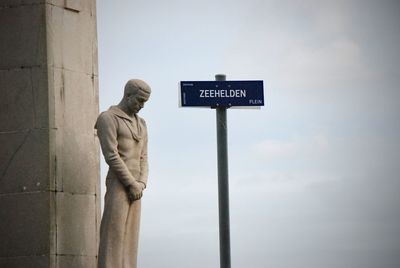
{"x": 296, "y": 147}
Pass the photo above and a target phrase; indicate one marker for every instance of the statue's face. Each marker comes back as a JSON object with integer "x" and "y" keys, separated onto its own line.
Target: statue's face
{"x": 136, "y": 101}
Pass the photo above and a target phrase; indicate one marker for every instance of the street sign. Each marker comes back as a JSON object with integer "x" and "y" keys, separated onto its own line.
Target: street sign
{"x": 222, "y": 93}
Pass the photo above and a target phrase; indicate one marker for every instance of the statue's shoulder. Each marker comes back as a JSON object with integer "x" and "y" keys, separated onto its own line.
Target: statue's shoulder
{"x": 141, "y": 120}
{"x": 105, "y": 118}
{"x": 106, "y": 115}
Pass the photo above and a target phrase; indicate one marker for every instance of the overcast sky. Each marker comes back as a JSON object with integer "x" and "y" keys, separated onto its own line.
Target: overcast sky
{"x": 314, "y": 175}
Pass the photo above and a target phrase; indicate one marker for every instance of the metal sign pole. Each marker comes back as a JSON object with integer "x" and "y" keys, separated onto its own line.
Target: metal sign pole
{"x": 223, "y": 185}
{"x": 221, "y": 94}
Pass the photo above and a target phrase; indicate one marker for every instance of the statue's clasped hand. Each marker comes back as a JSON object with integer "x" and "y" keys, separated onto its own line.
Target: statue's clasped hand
{"x": 135, "y": 192}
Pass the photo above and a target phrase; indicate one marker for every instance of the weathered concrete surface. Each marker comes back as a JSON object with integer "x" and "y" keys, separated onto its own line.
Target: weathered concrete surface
{"x": 42, "y": 261}
{"x": 24, "y": 105}
{"x": 77, "y": 135}
{"x": 23, "y": 42}
{"x": 76, "y": 262}
{"x": 22, "y": 169}
{"x": 25, "y": 224}
{"x": 76, "y": 224}
{"x": 49, "y": 166}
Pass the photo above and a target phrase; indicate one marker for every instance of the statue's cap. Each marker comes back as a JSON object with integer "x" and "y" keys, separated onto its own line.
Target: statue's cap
{"x": 137, "y": 84}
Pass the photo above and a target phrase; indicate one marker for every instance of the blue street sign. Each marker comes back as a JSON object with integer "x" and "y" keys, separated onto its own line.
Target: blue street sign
{"x": 222, "y": 93}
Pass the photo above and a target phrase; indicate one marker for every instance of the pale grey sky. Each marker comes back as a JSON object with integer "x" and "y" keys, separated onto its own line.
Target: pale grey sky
{"x": 314, "y": 175}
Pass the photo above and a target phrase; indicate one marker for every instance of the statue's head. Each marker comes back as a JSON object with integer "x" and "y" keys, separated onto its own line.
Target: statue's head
{"x": 136, "y": 93}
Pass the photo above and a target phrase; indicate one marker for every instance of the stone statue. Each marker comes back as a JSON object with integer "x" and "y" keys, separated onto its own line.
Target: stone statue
{"x": 123, "y": 139}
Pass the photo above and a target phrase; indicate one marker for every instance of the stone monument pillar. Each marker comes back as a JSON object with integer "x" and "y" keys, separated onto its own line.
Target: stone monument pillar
{"x": 49, "y": 159}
